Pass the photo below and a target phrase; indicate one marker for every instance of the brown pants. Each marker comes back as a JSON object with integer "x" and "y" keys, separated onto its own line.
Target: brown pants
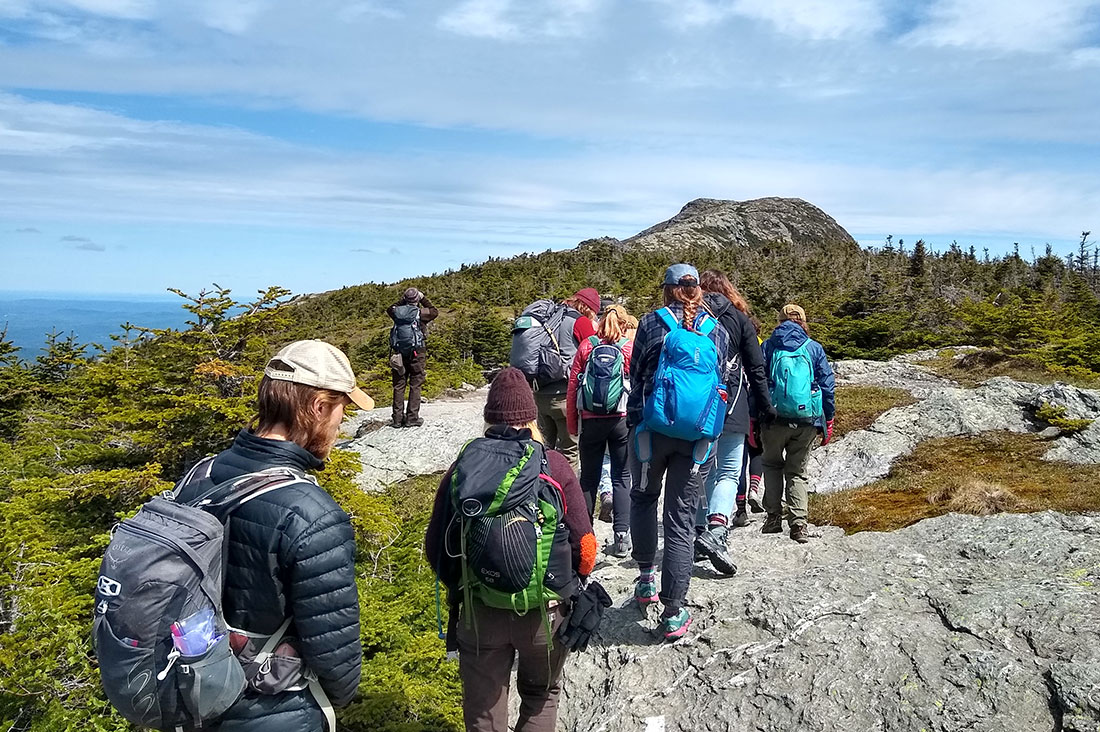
{"x": 413, "y": 371}
{"x": 554, "y": 427}
{"x": 486, "y": 653}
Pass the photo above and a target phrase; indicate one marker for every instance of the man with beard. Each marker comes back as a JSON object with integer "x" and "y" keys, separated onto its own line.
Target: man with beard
{"x": 291, "y": 556}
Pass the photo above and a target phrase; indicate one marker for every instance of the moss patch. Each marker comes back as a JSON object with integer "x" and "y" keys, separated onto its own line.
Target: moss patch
{"x": 977, "y": 366}
{"x": 989, "y": 473}
{"x": 858, "y": 406}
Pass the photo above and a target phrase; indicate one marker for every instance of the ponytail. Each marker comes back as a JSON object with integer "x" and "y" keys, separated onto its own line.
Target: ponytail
{"x": 614, "y": 324}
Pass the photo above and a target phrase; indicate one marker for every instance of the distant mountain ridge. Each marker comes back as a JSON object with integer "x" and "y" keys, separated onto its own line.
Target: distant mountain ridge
{"x": 720, "y": 223}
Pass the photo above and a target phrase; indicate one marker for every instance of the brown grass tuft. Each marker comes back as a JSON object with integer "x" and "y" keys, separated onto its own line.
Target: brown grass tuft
{"x": 979, "y": 497}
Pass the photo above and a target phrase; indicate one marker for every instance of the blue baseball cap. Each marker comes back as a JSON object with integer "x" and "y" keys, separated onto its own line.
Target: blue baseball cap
{"x": 681, "y": 274}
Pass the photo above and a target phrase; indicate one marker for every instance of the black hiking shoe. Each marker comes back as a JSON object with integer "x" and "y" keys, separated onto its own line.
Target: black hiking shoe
{"x": 397, "y": 423}
{"x": 741, "y": 518}
{"x": 712, "y": 544}
{"x": 414, "y": 422}
{"x": 773, "y": 524}
{"x": 799, "y": 534}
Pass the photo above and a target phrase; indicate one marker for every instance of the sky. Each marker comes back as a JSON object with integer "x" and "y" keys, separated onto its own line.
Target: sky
{"x": 147, "y": 144}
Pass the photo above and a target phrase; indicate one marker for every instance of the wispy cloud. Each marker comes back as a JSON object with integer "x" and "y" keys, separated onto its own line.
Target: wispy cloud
{"x": 75, "y": 239}
{"x": 90, "y": 246}
{"x": 480, "y": 19}
{"x": 1049, "y": 26}
{"x": 27, "y": 230}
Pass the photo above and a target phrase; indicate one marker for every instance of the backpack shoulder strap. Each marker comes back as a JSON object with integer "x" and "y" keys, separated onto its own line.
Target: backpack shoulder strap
{"x": 705, "y": 324}
{"x": 199, "y": 471}
{"x": 669, "y": 319}
{"x": 594, "y": 340}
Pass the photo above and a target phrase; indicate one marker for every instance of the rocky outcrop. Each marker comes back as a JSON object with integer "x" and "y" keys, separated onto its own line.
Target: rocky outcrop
{"x": 958, "y": 622}
{"x": 945, "y": 410}
{"x": 390, "y": 455}
{"x": 717, "y": 223}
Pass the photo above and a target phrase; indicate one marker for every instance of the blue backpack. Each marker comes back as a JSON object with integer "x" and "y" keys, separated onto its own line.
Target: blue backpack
{"x": 791, "y": 375}
{"x": 688, "y": 399}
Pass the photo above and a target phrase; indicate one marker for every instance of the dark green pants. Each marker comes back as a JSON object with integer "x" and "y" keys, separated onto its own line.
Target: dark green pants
{"x": 786, "y": 453}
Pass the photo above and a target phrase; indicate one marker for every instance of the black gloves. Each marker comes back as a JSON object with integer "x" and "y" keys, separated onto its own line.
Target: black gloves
{"x": 588, "y": 607}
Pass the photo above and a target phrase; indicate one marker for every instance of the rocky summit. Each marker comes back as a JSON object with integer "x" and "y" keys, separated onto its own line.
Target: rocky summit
{"x": 743, "y": 223}
{"x": 957, "y": 622}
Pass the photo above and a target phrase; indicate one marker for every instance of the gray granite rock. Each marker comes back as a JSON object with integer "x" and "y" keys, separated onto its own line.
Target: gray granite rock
{"x": 956, "y": 623}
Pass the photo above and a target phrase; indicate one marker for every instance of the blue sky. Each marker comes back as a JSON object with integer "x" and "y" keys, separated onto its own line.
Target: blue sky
{"x": 147, "y": 143}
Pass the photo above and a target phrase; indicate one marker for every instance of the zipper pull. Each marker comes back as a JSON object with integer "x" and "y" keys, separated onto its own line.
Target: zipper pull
{"x": 172, "y": 656}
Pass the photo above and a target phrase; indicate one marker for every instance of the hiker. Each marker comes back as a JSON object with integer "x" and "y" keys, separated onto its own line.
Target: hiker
{"x": 745, "y": 377}
{"x": 596, "y": 413}
{"x": 676, "y": 409}
{"x": 291, "y": 553}
{"x": 502, "y": 601}
{"x": 802, "y": 392}
{"x": 544, "y": 341}
{"x": 409, "y": 361}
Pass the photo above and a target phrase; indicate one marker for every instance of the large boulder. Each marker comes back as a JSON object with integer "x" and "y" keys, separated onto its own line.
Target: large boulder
{"x": 390, "y": 455}
{"x": 958, "y": 622}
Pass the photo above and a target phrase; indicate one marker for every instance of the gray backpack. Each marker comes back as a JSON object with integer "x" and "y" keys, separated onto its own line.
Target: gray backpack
{"x": 163, "y": 565}
{"x": 406, "y": 334}
{"x": 542, "y": 342}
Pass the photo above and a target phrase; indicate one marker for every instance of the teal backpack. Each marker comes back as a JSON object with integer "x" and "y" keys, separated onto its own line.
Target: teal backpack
{"x": 603, "y": 386}
{"x": 791, "y": 375}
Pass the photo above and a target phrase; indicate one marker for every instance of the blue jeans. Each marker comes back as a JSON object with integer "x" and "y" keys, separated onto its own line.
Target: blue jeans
{"x": 724, "y": 477}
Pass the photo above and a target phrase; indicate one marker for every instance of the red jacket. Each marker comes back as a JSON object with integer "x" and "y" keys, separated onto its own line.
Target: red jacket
{"x": 579, "y": 362}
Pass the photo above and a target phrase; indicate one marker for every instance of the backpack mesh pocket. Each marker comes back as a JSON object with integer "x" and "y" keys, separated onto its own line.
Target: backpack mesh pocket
{"x": 503, "y": 550}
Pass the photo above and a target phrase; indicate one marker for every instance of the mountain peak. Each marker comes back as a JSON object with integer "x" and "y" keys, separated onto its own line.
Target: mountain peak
{"x": 756, "y": 222}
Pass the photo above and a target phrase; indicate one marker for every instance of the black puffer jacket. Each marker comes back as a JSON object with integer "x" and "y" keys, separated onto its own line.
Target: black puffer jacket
{"x": 291, "y": 553}
{"x": 744, "y": 348}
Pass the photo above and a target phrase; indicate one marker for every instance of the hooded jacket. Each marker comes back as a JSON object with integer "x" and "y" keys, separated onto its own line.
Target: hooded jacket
{"x": 291, "y": 553}
{"x": 789, "y": 336}
{"x": 746, "y": 375}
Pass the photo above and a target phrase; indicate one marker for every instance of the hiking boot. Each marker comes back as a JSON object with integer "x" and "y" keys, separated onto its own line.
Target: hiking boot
{"x": 755, "y": 494}
{"x": 800, "y": 534}
{"x": 397, "y": 423}
{"x": 414, "y": 422}
{"x": 712, "y": 544}
{"x": 645, "y": 590}
{"x": 741, "y": 518}
{"x": 620, "y": 545}
{"x": 674, "y": 626}
{"x": 773, "y": 524}
{"x": 607, "y": 508}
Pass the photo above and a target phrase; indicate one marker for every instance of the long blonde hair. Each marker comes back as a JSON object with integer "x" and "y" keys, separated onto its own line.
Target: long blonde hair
{"x": 614, "y": 324}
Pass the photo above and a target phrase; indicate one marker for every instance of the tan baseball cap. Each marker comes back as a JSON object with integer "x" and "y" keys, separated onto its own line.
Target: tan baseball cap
{"x": 319, "y": 364}
{"x": 792, "y": 312}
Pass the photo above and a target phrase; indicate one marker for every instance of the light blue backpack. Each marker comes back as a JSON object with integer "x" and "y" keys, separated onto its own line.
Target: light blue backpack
{"x": 791, "y": 374}
{"x": 688, "y": 399}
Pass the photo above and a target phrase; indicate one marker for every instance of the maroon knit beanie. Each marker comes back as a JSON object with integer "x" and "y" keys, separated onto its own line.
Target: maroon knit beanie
{"x": 590, "y": 297}
{"x": 511, "y": 400}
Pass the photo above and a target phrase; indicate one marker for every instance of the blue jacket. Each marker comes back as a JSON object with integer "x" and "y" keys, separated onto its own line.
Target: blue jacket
{"x": 788, "y": 336}
{"x": 647, "y": 352}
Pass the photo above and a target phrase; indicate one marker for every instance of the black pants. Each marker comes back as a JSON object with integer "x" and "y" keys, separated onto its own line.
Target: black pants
{"x": 413, "y": 371}
{"x": 671, "y": 468}
{"x": 597, "y": 435}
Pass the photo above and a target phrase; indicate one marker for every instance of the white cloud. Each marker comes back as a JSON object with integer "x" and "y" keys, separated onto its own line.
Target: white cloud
{"x": 1036, "y": 27}
{"x": 233, "y": 17}
{"x": 480, "y": 19}
{"x": 817, "y": 19}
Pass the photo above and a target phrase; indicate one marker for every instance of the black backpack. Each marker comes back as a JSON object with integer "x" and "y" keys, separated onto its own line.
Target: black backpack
{"x": 406, "y": 334}
{"x": 167, "y": 564}
{"x": 509, "y": 529}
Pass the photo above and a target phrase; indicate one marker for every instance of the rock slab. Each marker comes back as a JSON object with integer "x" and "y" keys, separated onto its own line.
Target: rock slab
{"x": 958, "y": 622}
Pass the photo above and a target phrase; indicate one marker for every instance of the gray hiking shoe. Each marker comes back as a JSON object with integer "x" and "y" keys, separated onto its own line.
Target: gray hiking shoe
{"x": 620, "y": 546}
{"x": 712, "y": 544}
{"x": 741, "y": 518}
{"x": 800, "y": 534}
